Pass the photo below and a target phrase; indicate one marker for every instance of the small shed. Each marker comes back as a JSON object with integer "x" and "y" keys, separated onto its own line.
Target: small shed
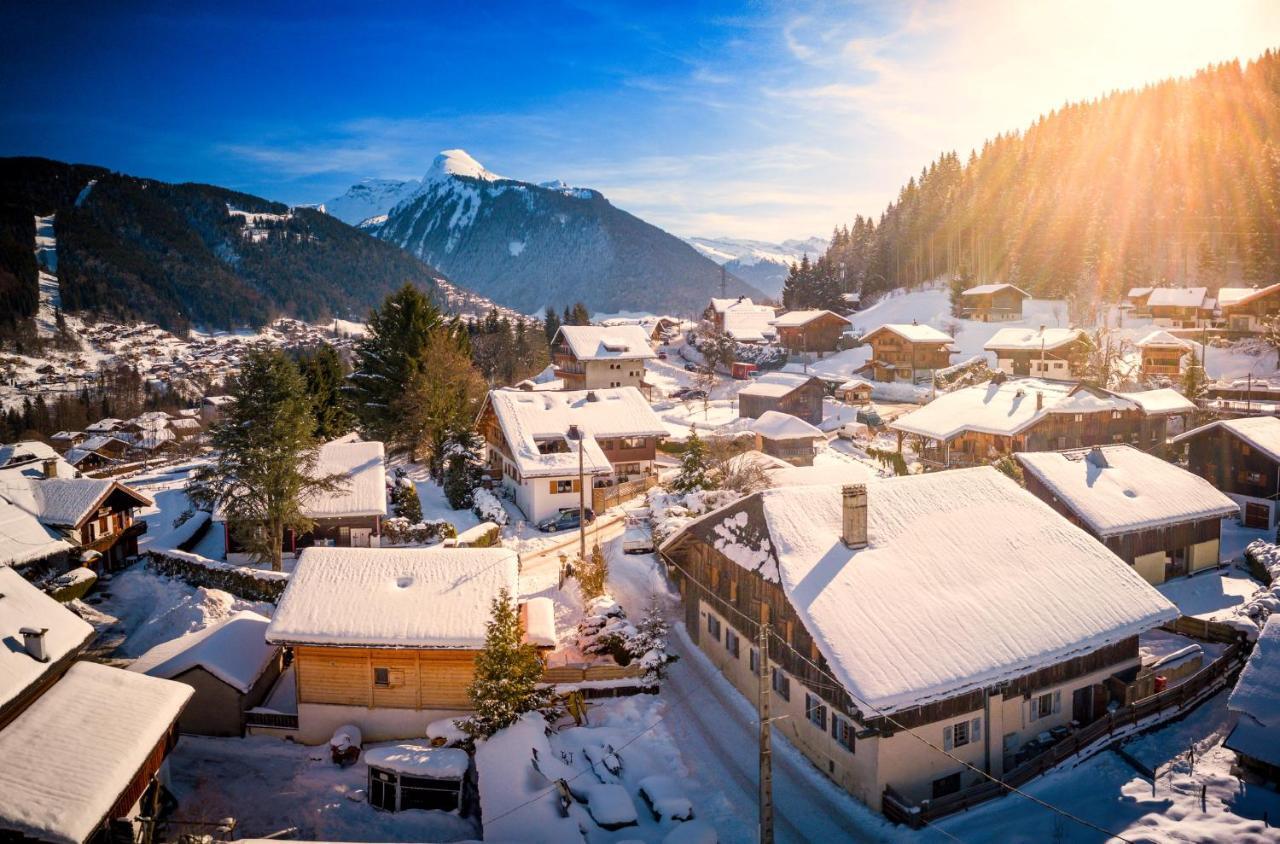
{"x": 1256, "y": 704}
{"x": 785, "y": 392}
{"x": 787, "y": 438}
{"x": 230, "y": 666}
{"x": 416, "y": 776}
{"x": 854, "y": 391}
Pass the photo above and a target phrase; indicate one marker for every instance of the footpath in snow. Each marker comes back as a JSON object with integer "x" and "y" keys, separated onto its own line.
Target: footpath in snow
{"x": 47, "y": 262}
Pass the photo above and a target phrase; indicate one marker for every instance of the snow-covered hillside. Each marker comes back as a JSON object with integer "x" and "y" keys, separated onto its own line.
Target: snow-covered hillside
{"x": 759, "y": 262}
{"x": 370, "y": 198}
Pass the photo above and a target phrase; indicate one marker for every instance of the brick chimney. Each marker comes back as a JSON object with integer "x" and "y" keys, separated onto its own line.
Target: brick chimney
{"x": 853, "y": 522}
{"x": 1039, "y": 400}
{"x": 50, "y": 465}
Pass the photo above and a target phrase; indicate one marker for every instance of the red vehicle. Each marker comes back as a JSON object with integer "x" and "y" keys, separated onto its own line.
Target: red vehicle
{"x": 742, "y": 370}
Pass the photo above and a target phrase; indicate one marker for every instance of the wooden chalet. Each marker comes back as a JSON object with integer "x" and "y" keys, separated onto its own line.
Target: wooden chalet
{"x": 1136, "y": 301}
{"x": 909, "y": 353}
{"x": 787, "y": 437}
{"x": 1256, "y": 706}
{"x": 1241, "y": 457}
{"x": 791, "y": 393}
{"x": 854, "y": 391}
{"x": 1246, "y": 310}
{"x": 1162, "y": 355}
{"x": 1181, "y": 307}
{"x": 1158, "y": 518}
{"x": 1056, "y": 353}
{"x": 386, "y": 638}
{"x": 63, "y": 441}
{"x": 861, "y": 583}
{"x": 993, "y": 302}
{"x": 810, "y": 331}
{"x": 588, "y": 357}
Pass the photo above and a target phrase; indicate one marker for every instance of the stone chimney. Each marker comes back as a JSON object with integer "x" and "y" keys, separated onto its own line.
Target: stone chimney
{"x": 33, "y": 641}
{"x": 50, "y": 465}
{"x": 1039, "y": 400}
{"x": 853, "y": 522}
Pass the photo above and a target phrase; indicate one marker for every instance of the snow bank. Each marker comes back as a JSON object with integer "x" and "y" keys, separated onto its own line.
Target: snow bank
{"x": 518, "y": 802}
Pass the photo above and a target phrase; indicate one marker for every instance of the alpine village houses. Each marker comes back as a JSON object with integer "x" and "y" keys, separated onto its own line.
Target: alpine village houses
{"x": 1056, "y": 353}
{"x": 1161, "y": 519}
{"x": 993, "y": 302}
{"x": 792, "y": 393}
{"x": 1246, "y": 310}
{"x": 907, "y": 352}
{"x": 589, "y": 357}
{"x": 810, "y": 330}
{"x": 852, "y": 665}
{"x": 1241, "y": 457}
{"x": 541, "y": 446}
{"x": 1162, "y": 354}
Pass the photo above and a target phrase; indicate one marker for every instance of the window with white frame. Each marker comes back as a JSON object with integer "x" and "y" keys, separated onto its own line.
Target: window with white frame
{"x": 1042, "y": 706}
{"x": 815, "y": 710}
{"x": 961, "y": 733}
{"x": 842, "y": 731}
{"x": 731, "y": 642}
{"x": 713, "y": 626}
{"x": 781, "y": 684}
{"x": 564, "y": 486}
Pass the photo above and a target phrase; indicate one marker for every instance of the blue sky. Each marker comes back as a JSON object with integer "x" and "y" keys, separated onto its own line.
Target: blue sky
{"x": 755, "y": 120}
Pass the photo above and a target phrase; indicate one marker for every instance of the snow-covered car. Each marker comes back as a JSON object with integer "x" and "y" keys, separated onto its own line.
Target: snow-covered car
{"x": 637, "y": 539}
{"x": 665, "y": 798}
{"x": 852, "y": 430}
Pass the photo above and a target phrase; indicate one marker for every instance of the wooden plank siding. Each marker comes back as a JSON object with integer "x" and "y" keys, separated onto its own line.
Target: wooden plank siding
{"x": 804, "y": 402}
{"x": 1232, "y": 465}
{"x": 420, "y": 679}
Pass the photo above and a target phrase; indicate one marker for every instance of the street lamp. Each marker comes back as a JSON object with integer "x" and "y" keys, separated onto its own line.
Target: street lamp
{"x": 575, "y": 433}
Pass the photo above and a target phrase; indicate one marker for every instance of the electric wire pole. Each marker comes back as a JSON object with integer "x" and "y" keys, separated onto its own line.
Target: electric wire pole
{"x": 766, "y": 753}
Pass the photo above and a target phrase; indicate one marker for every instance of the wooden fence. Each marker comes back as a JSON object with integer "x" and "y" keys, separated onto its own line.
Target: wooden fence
{"x": 604, "y": 497}
{"x": 270, "y": 719}
{"x": 899, "y": 809}
{"x": 587, "y": 673}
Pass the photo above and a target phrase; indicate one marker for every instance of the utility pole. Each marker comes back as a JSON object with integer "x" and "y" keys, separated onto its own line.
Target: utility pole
{"x": 575, "y": 433}
{"x": 766, "y": 752}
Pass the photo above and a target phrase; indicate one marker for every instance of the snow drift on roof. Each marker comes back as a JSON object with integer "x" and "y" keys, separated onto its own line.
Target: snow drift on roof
{"x": 235, "y": 651}
{"x": 1031, "y": 339}
{"x": 985, "y": 289}
{"x": 365, "y": 489}
{"x": 393, "y": 597}
{"x": 1178, "y": 297}
{"x": 1261, "y": 432}
{"x": 23, "y": 605}
{"x": 792, "y": 319}
{"x": 773, "y": 425}
{"x": 991, "y": 408}
{"x": 1257, "y": 698}
{"x": 912, "y": 333}
{"x": 1230, "y": 297}
{"x": 615, "y": 342}
{"x": 23, "y": 539}
{"x": 71, "y": 754}
{"x": 746, "y": 322}
{"x": 776, "y": 384}
{"x": 420, "y": 760}
{"x": 1118, "y": 489}
{"x": 1163, "y": 400}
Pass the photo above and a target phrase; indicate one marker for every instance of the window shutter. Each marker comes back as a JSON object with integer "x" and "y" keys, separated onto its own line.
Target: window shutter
{"x": 1032, "y": 709}
{"x": 946, "y": 738}
{"x": 551, "y": 487}
{"x": 577, "y": 485}
{"x": 1057, "y": 702}
{"x": 975, "y": 729}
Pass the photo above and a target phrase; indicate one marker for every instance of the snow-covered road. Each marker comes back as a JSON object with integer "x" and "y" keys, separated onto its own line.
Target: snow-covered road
{"x": 715, "y": 728}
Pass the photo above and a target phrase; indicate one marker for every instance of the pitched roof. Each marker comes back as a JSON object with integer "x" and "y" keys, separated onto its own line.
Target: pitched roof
{"x": 913, "y": 617}
{"x": 911, "y": 333}
{"x": 985, "y": 289}
{"x": 1178, "y": 297}
{"x": 1138, "y": 292}
{"x": 1163, "y": 400}
{"x": 1117, "y": 489}
{"x": 70, "y": 755}
{"x": 1261, "y": 432}
{"x": 234, "y": 650}
{"x": 773, "y": 425}
{"x": 1024, "y": 339}
{"x": 776, "y": 384}
{"x": 1230, "y": 297}
{"x": 793, "y": 319}
{"x": 393, "y": 597}
{"x": 1257, "y": 698}
{"x": 23, "y": 605}
{"x": 365, "y": 490}
{"x": 23, "y": 539}
{"x": 530, "y": 418}
{"x": 611, "y": 342}
{"x": 1161, "y": 338}
{"x": 747, "y": 322}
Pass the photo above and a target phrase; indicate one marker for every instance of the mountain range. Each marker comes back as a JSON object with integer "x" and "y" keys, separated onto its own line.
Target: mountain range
{"x": 759, "y": 262}
{"x": 530, "y": 246}
{"x": 189, "y": 254}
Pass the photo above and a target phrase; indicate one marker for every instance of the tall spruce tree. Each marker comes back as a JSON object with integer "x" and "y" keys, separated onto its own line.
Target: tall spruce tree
{"x": 324, "y": 374}
{"x": 694, "y": 464}
{"x": 508, "y": 673}
{"x": 462, "y": 469}
{"x": 266, "y": 461}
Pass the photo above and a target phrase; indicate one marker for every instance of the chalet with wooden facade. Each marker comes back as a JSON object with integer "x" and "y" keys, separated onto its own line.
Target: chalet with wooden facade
{"x": 350, "y": 517}
{"x": 993, "y": 302}
{"x": 533, "y": 441}
{"x": 907, "y": 352}
{"x": 1241, "y": 457}
{"x": 1136, "y": 301}
{"x": 1246, "y": 396}
{"x": 791, "y": 393}
{"x": 1163, "y": 354}
{"x": 975, "y": 425}
{"x": 82, "y": 743}
{"x": 1158, "y": 518}
{"x": 590, "y": 357}
{"x": 748, "y": 323}
{"x": 1256, "y": 706}
{"x": 810, "y": 331}
{"x": 1056, "y": 353}
{"x": 1181, "y": 307}
{"x": 855, "y": 391}
{"x": 912, "y": 603}
{"x": 386, "y": 639}
{"x": 787, "y": 437}
{"x": 1246, "y": 310}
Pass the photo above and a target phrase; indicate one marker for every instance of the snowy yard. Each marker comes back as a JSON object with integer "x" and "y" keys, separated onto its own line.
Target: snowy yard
{"x": 1211, "y": 594}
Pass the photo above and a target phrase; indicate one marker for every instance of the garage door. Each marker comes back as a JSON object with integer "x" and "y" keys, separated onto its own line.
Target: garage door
{"x": 1256, "y": 515}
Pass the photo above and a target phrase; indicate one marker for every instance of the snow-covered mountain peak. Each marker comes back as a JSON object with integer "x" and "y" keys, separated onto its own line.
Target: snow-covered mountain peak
{"x": 458, "y": 162}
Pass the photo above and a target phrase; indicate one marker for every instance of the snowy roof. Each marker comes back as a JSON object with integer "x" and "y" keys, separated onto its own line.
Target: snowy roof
{"x": 1032, "y": 339}
{"x": 1117, "y": 489}
{"x": 1261, "y": 432}
{"x": 27, "y": 458}
{"x": 519, "y": 803}
{"x": 844, "y": 472}
{"x": 70, "y": 755}
{"x": 420, "y": 760}
{"x": 1138, "y": 292}
{"x": 967, "y": 580}
{"x": 393, "y": 597}
{"x": 987, "y": 289}
{"x": 104, "y": 425}
{"x": 1160, "y": 338}
{"x": 218, "y": 401}
{"x": 1178, "y": 297}
{"x": 1229, "y": 297}
{"x": 1003, "y": 409}
{"x": 776, "y": 384}
{"x": 796, "y": 318}
{"x": 721, "y": 305}
{"x": 911, "y": 333}
{"x": 528, "y": 418}
{"x": 1163, "y": 400}
{"x": 540, "y": 622}
{"x": 67, "y": 501}
{"x": 23, "y": 605}
{"x": 748, "y": 322}
{"x": 66, "y": 435}
{"x": 365, "y": 490}
{"x": 854, "y": 383}
{"x": 773, "y": 425}
{"x": 612, "y": 342}
{"x": 1257, "y": 696}
{"x": 23, "y": 539}
{"x": 234, "y": 650}
{"x": 98, "y": 442}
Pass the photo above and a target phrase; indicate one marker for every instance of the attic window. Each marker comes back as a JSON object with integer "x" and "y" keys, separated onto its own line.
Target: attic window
{"x": 556, "y": 446}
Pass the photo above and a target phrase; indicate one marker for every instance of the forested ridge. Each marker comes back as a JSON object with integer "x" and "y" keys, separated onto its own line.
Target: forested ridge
{"x": 1173, "y": 183}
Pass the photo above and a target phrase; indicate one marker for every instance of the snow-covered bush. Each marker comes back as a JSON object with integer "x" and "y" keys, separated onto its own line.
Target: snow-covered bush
{"x": 765, "y": 357}
{"x": 1253, "y": 613}
{"x": 405, "y": 502}
{"x": 670, "y": 511}
{"x": 649, "y": 644}
{"x": 400, "y": 531}
{"x": 487, "y": 507}
{"x": 604, "y": 630}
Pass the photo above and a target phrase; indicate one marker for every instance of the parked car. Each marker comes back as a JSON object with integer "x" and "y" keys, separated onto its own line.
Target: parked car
{"x": 870, "y": 418}
{"x": 637, "y": 539}
{"x": 852, "y": 430}
{"x": 692, "y": 367}
{"x": 689, "y": 395}
{"x": 567, "y": 520}
{"x": 662, "y": 354}
{"x": 680, "y": 393}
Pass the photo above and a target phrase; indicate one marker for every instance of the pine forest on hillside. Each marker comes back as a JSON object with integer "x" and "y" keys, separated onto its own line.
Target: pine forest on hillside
{"x": 1171, "y": 184}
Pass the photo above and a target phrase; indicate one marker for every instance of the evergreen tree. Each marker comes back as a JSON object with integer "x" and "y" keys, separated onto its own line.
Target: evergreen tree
{"x": 694, "y": 464}
{"x": 266, "y": 457}
{"x": 462, "y": 468}
{"x": 649, "y": 644}
{"x": 551, "y": 325}
{"x": 405, "y": 501}
{"x": 580, "y": 315}
{"x": 324, "y": 374}
{"x": 507, "y": 676}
